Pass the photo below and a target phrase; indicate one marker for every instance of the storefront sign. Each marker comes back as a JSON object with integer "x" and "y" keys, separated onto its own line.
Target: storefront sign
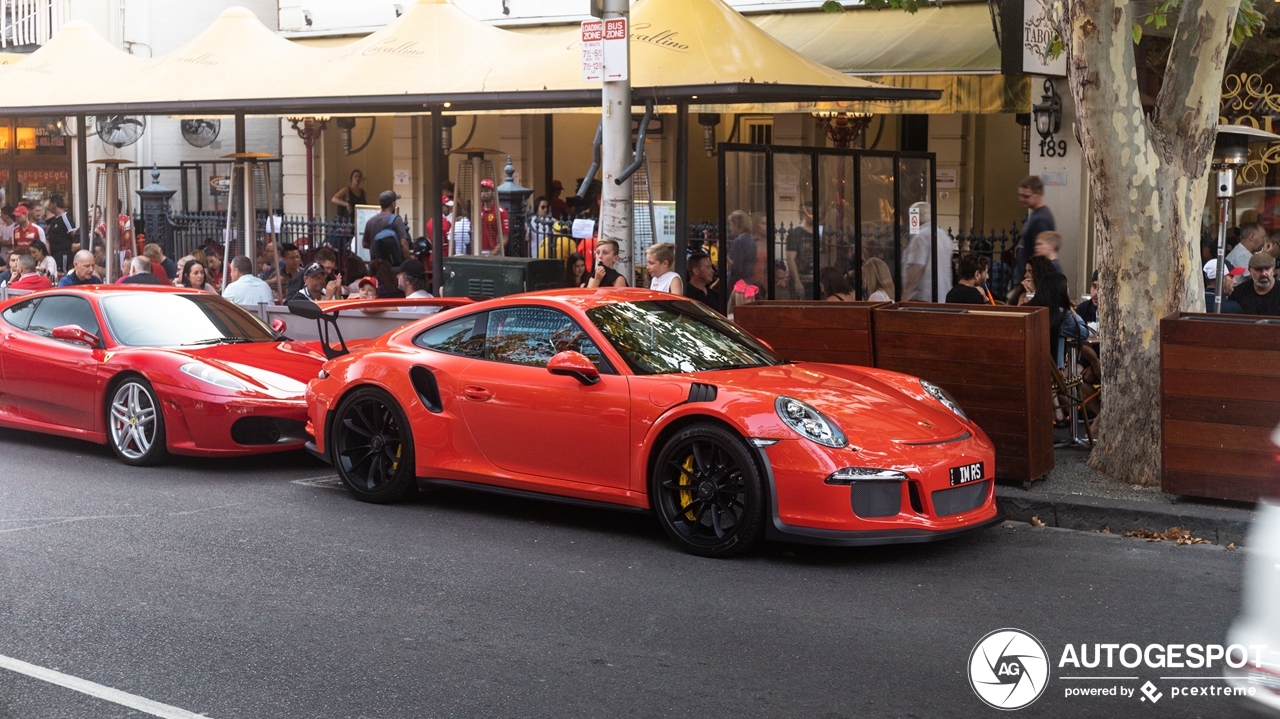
{"x": 42, "y": 176}
{"x": 946, "y": 178}
{"x": 1248, "y": 100}
{"x": 1028, "y": 34}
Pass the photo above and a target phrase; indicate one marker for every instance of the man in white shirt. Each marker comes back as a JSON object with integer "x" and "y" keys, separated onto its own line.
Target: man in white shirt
{"x": 412, "y": 278}
{"x": 245, "y": 288}
{"x": 917, "y": 262}
{"x": 1252, "y": 237}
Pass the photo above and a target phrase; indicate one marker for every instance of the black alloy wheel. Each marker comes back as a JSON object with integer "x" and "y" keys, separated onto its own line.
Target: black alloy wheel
{"x": 372, "y": 447}
{"x": 707, "y": 493}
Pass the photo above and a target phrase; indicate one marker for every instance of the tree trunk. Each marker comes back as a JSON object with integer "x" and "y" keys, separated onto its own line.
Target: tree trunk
{"x": 1149, "y": 178}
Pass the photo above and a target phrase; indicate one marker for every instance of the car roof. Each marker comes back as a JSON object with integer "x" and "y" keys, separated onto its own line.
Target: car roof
{"x": 582, "y": 299}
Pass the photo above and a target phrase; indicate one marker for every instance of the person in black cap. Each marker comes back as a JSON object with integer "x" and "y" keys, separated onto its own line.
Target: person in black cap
{"x": 412, "y": 279}
{"x": 411, "y": 276}
{"x": 385, "y": 234}
{"x": 316, "y": 285}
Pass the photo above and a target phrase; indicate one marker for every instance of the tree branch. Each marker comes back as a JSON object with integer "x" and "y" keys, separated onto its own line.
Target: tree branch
{"x": 1187, "y": 107}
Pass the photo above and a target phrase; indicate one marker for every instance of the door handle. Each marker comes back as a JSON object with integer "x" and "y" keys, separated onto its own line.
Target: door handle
{"x": 476, "y": 393}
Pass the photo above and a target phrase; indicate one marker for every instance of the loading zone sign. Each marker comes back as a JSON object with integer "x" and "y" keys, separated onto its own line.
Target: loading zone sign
{"x": 604, "y": 50}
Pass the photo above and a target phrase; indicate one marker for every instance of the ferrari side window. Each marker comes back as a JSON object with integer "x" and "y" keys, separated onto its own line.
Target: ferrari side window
{"x": 20, "y": 314}
{"x": 463, "y": 336}
{"x": 532, "y": 335}
{"x": 60, "y": 310}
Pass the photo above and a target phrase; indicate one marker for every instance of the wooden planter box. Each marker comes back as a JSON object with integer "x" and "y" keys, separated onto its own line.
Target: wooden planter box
{"x": 993, "y": 360}
{"x": 1219, "y": 402}
{"x": 835, "y": 332}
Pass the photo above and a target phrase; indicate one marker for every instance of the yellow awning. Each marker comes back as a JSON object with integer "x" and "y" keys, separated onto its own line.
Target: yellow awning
{"x": 76, "y": 66}
{"x": 434, "y": 54}
{"x": 681, "y": 48}
{"x": 953, "y": 39}
{"x": 961, "y": 94}
{"x": 235, "y": 57}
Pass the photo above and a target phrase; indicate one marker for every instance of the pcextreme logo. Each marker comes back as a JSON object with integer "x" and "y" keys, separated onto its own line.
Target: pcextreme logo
{"x": 1008, "y": 669}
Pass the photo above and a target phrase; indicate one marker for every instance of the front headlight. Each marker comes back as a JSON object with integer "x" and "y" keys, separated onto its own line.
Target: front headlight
{"x": 943, "y": 397}
{"x": 212, "y": 375}
{"x": 809, "y": 422}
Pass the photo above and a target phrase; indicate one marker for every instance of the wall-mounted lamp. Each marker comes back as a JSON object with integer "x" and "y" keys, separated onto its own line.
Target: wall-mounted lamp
{"x": 709, "y": 120}
{"x": 1048, "y": 114}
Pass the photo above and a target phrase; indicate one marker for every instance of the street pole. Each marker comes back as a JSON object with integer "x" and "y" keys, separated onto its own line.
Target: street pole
{"x": 615, "y": 153}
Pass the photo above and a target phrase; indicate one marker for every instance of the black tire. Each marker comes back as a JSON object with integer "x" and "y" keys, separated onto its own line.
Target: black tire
{"x": 372, "y": 448}
{"x": 135, "y": 423}
{"x": 707, "y": 492}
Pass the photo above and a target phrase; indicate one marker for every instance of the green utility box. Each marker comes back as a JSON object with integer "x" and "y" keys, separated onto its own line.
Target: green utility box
{"x": 470, "y": 276}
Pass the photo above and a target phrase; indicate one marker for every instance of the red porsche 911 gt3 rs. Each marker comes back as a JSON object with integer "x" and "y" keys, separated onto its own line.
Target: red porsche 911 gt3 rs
{"x": 649, "y": 401}
{"x": 151, "y": 371}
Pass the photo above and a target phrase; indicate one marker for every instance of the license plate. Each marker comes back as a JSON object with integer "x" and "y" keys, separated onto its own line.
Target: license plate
{"x": 966, "y": 473}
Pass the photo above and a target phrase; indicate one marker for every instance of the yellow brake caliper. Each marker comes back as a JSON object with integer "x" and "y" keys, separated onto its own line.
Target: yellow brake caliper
{"x": 686, "y": 495}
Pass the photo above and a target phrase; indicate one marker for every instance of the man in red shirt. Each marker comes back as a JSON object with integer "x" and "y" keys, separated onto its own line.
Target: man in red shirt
{"x": 30, "y": 279}
{"x": 489, "y": 213}
{"x": 24, "y": 232}
{"x": 559, "y": 208}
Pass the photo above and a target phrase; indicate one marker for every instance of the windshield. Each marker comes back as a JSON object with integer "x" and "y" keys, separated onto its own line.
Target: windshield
{"x": 675, "y": 336}
{"x": 156, "y": 319}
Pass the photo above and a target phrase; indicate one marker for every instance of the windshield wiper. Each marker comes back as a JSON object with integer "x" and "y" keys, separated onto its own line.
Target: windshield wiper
{"x": 218, "y": 341}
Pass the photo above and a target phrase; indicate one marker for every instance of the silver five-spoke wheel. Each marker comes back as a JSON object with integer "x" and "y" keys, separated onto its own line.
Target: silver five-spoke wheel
{"x": 136, "y": 424}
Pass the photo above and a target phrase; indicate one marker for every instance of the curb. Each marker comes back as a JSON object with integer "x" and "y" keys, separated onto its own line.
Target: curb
{"x": 1220, "y": 525}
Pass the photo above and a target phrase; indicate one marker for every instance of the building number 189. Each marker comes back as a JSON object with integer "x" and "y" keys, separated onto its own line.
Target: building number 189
{"x": 1053, "y": 148}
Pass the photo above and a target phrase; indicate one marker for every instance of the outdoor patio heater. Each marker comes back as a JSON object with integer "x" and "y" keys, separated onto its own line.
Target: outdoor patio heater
{"x": 1230, "y": 153}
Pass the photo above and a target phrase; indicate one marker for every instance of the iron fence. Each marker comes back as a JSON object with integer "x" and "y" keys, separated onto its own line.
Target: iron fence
{"x": 998, "y": 246}
{"x": 193, "y": 230}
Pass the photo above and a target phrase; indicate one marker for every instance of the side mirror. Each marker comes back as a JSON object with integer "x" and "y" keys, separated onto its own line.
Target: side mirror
{"x": 73, "y": 333}
{"x": 305, "y": 309}
{"x": 278, "y": 325}
{"x": 575, "y": 365}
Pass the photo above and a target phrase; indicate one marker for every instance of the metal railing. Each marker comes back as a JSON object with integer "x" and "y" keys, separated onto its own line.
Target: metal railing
{"x": 31, "y": 22}
{"x": 196, "y": 229}
{"x": 994, "y": 245}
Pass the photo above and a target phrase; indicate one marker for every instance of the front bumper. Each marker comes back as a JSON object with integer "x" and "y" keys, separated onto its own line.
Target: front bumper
{"x": 205, "y": 425}
{"x": 922, "y": 508}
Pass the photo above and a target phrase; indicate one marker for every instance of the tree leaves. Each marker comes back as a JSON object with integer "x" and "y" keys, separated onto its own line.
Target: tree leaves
{"x": 911, "y": 6}
{"x": 1248, "y": 20}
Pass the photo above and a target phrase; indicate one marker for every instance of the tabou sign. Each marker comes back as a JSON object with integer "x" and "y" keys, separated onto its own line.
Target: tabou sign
{"x": 604, "y": 50}
{"x": 1026, "y": 31}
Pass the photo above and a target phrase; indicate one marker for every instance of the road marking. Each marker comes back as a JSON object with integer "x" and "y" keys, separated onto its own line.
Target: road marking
{"x": 51, "y": 521}
{"x": 85, "y": 686}
{"x": 327, "y": 482}
{"x": 206, "y": 509}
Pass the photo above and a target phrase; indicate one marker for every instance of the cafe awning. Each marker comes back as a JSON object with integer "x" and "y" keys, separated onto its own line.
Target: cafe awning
{"x": 704, "y": 48}
{"x": 955, "y": 38}
{"x": 77, "y": 65}
{"x": 433, "y": 55}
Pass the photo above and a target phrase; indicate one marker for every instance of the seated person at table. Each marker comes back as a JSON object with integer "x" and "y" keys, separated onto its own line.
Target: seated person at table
{"x": 702, "y": 281}
{"x": 971, "y": 290}
{"x": 1088, "y": 309}
{"x": 1229, "y": 306}
{"x": 1259, "y": 297}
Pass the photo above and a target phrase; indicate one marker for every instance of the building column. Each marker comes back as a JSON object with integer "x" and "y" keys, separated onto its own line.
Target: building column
{"x": 293, "y": 171}
{"x": 404, "y": 153}
{"x": 949, "y": 141}
{"x": 1066, "y": 192}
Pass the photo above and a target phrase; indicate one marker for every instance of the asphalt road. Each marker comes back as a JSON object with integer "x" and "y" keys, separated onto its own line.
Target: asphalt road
{"x": 227, "y": 589}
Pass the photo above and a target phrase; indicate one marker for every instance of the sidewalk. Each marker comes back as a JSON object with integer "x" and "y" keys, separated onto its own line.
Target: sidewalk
{"x": 1076, "y": 497}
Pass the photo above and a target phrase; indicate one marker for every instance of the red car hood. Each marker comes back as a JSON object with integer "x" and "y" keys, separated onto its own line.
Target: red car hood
{"x": 284, "y": 367}
{"x": 860, "y": 404}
